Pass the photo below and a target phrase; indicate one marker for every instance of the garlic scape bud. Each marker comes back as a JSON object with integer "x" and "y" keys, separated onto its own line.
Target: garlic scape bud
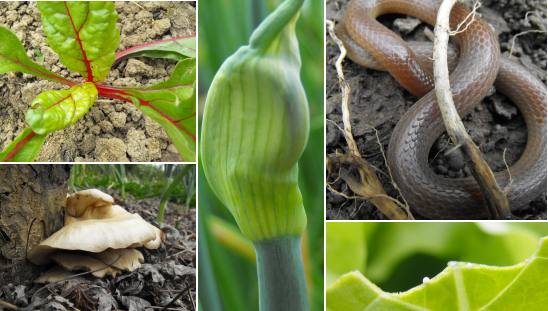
{"x": 255, "y": 128}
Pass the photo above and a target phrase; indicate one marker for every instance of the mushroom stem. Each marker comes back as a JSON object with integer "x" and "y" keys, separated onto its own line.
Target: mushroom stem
{"x": 282, "y": 280}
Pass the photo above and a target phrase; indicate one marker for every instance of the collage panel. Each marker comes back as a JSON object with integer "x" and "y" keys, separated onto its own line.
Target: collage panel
{"x": 98, "y": 236}
{"x": 98, "y": 81}
{"x": 283, "y": 170}
{"x": 436, "y": 265}
{"x": 399, "y": 155}
{"x": 109, "y": 82}
{"x": 261, "y": 216}
{"x": 389, "y": 159}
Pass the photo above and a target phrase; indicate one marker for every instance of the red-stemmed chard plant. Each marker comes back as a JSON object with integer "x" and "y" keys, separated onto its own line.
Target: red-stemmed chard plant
{"x": 85, "y": 36}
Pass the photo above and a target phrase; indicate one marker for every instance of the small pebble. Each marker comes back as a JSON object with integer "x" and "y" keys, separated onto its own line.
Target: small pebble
{"x": 442, "y": 170}
{"x": 456, "y": 161}
{"x": 406, "y": 25}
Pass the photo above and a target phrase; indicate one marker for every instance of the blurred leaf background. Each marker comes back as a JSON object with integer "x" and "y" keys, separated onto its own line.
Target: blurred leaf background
{"x": 227, "y": 272}
{"x": 139, "y": 180}
{"x": 397, "y": 256}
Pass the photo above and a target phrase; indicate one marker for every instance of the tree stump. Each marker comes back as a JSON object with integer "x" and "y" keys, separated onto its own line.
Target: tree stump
{"x": 27, "y": 193}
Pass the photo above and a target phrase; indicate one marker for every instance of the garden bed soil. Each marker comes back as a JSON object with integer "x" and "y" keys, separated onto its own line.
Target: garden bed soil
{"x": 377, "y": 99}
{"x": 166, "y": 271}
{"x": 112, "y": 130}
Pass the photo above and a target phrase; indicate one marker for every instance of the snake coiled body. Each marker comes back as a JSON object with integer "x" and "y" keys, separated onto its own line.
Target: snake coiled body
{"x": 478, "y": 68}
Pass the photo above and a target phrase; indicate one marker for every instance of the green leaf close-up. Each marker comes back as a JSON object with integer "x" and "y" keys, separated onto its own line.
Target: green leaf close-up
{"x": 55, "y": 110}
{"x": 84, "y": 34}
{"x": 479, "y": 266}
{"x": 461, "y": 286}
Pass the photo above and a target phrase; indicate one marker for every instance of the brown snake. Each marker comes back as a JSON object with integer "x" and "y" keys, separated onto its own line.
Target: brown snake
{"x": 427, "y": 193}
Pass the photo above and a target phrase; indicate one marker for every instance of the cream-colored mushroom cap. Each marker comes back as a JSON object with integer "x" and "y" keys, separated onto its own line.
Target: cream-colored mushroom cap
{"x": 85, "y": 201}
{"x": 99, "y": 228}
{"x": 80, "y": 262}
{"x": 53, "y": 275}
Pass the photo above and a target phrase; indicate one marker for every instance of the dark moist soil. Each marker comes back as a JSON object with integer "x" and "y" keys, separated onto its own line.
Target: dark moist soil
{"x": 165, "y": 273}
{"x": 112, "y": 130}
{"x": 377, "y": 99}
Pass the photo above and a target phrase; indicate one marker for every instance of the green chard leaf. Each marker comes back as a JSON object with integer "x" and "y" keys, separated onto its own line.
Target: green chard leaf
{"x": 24, "y": 148}
{"x": 170, "y": 112}
{"x": 84, "y": 34}
{"x": 171, "y": 103}
{"x": 182, "y": 82}
{"x": 55, "y": 110}
{"x": 461, "y": 286}
{"x": 13, "y": 57}
{"x": 177, "y": 48}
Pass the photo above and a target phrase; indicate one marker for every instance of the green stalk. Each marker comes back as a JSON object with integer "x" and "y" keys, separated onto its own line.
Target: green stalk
{"x": 163, "y": 199}
{"x": 282, "y": 281}
{"x": 72, "y": 176}
{"x": 255, "y": 127}
{"x": 122, "y": 178}
{"x": 167, "y": 189}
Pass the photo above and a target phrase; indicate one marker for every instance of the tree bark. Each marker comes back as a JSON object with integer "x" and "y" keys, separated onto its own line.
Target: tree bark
{"x": 27, "y": 193}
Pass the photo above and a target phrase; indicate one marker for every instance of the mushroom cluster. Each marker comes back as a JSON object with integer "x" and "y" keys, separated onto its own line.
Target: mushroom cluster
{"x": 96, "y": 232}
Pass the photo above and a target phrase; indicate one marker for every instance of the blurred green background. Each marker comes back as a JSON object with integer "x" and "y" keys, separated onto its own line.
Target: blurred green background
{"x": 141, "y": 181}
{"x": 227, "y": 272}
{"x": 397, "y": 256}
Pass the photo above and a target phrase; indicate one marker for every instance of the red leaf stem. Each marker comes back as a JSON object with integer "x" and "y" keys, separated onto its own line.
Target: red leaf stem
{"x": 111, "y": 92}
{"x": 77, "y": 31}
{"x": 19, "y": 145}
